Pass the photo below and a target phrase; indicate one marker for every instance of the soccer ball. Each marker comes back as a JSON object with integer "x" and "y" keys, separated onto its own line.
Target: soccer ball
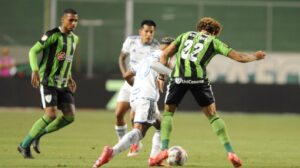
{"x": 177, "y": 156}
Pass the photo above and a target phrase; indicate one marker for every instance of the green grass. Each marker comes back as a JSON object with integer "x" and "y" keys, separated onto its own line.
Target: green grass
{"x": 261, "y": 140}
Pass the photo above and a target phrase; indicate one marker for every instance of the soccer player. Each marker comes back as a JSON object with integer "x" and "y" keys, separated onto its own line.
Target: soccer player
{"x": 53, "y": 76}
{"x": 143, "y": 100}
{"x": 194, "y": 51}
{"x": 136, "y": 48}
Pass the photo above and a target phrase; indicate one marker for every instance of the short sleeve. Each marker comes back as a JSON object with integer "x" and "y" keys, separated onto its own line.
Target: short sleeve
{"x": 178, "y": 40}
{"x": 47, "y": 39}
{"x": 126, "y": 46}
{"x": 221, "y": 47}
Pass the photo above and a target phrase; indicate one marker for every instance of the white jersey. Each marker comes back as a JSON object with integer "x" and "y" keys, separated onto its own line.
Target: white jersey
{"x": 145, "y": 86}
{"x": 136, "y": 50}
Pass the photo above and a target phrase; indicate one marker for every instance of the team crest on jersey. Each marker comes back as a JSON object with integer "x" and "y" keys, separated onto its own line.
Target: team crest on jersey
{"x": 178, "y": 80}
{"x": 48, "y": 98}
{"x": 61, "y": 56}
{"x": 44, "y": 38}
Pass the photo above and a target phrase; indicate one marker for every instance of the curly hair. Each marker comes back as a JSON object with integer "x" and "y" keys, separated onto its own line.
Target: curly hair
{"x": 210, "y": 25}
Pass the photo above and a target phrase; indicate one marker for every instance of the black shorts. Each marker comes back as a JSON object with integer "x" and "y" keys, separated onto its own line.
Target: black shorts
{"x": 202, "y": 92}
{"x": 52, "y": 96}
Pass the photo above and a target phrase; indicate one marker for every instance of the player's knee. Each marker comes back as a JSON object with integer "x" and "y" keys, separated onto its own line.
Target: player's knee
{"x": 171, "y": 107}
{"x": 51, "y": 116}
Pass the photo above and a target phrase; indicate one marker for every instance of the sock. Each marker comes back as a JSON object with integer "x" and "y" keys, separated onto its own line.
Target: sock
{"x": 36, "y": 129}
{"x": 121, "y": 131}
{"x": 128, "y": 139}
{"x": 156, "y": 144}
{"x": 166, "y": 128}
{"x": 219, "y": 128}
{"x": 58, "y": 123}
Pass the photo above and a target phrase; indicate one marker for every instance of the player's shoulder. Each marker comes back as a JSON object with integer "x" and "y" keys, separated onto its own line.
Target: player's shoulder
{"x": 155, "y": 42}
{"x": 52, "y": 31}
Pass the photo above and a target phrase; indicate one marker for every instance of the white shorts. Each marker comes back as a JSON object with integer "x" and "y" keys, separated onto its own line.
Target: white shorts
{"x": 146, "y": 111}
{"x": 124, "y": 94}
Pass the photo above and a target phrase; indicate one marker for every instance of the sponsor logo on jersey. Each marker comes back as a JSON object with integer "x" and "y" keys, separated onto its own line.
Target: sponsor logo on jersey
{"x": 188, "y": 81}
{"x": 48, "y": 98}
{"x": 61, "y": 56}
{"x": 44, "y": 38}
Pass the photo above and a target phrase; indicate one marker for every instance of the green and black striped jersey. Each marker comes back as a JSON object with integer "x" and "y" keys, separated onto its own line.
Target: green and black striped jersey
{"x": 58, "y": 50}
{"x": 195, "y": 50}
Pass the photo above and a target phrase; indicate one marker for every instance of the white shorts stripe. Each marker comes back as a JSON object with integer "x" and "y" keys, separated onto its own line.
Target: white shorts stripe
{"x": 167, "y": 94}
{"x": 43, "y": 96}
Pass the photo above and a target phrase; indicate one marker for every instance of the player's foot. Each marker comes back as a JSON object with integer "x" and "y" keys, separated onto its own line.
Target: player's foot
{"x": 151, "y": 162}
{"x": 35, "y": 145}
{"x": 104, "y": 157}
{"x": 162, "y": 155}
{"x": 135, "y": 149}
{"x": 234, "y": 159}
{"x": 25, "y": 152}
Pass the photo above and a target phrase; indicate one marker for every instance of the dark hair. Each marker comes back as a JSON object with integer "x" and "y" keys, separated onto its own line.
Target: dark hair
{"x": 70, "y": 10}
{"x": 167, "y": 40}
{"x": 148, "y": 22}
{"x": 210, "y": 25}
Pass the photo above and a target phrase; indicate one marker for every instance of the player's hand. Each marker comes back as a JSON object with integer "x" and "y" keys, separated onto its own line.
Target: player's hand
{"x": 160, "y": 84}
{"x": 35, "y": 79}
{"x": 259, "y": 55}
{"x": 72, "y": 85}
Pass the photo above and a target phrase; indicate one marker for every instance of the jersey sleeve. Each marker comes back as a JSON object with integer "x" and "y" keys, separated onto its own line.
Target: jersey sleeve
{"x": 126, "y": 46}
{"x": 221, "y": 47}
{"x": 47, "y": 39}
{"x": 178, "y": 40}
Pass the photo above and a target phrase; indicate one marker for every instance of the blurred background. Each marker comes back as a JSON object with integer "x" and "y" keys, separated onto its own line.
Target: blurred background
{"x": 270, "y": 85}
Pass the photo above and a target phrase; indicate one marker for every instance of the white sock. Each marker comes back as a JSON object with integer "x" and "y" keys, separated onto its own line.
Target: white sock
{"x": 156, "y": 144}
{"x": 128, "y": 139}
{"x": 121, "y": 131}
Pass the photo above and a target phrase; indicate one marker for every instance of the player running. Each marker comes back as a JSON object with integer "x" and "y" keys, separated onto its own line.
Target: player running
{"x": 54, "y": 78}
{"x": 143, "y": 100}
{"x": 194, "y": 52}
{"x": 136, "y": 48}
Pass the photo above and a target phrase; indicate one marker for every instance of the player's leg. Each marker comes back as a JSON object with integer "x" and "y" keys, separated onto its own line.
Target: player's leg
{"x": 205, "y": 98}
{"x": 128, "y": 139}
{"x": 156, "y": 145}
{"x": 174, "y": 95}
{"x": 122, "y": 107}
{"x": 66, "y": 105}
{"x": 49, "y": 103}
{"x": 136, "y": 147}
{"x": 37, "y": 128}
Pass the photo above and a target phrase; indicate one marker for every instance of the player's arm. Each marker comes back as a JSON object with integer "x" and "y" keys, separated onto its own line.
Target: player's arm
{"x": 168, "y": 52}
{"x": 122, "y": 63}
{"x": 72, "y": 84}
{"x": 129, "y": 77}
{"x": 246, "y": 57}
{"x": 33, "y": 60}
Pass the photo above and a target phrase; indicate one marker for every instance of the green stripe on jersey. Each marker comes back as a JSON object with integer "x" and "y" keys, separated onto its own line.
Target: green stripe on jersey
{"x": 58, "y": 50}
{"x": 195, "y": 50}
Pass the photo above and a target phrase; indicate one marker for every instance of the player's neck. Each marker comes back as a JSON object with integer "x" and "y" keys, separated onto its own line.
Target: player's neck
{"x": 64, "y": 30}
{"x": 206, "y": 32}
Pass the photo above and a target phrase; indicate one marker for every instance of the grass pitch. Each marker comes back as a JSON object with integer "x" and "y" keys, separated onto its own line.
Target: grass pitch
{"x": 261, "y": 140}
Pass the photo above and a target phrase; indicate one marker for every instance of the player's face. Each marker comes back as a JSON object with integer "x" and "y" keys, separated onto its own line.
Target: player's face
{"x": 69, "y": 22}
{"x": 147, "y": 33}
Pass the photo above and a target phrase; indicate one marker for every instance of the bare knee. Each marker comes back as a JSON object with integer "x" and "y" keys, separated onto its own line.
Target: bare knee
{"x": 170, "y": 107}
{"x": 51, "y": 112}
{"x": 209, "y": 110}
